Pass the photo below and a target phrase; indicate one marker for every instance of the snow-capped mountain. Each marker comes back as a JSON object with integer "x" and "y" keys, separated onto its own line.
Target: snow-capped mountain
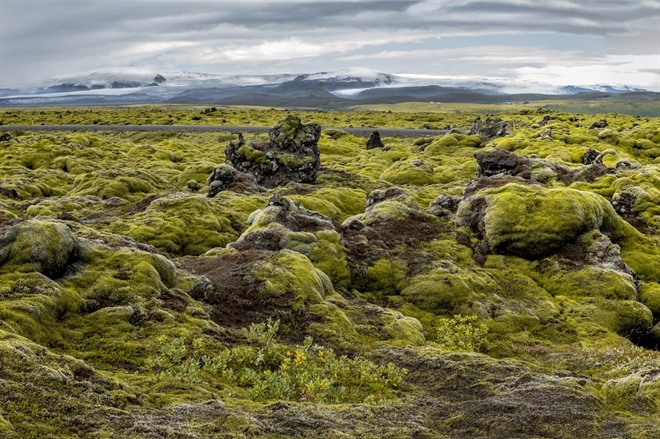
{"x": 138, "y": 85}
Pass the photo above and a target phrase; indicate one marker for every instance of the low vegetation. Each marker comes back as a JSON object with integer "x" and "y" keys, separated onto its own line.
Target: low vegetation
{"x": 413, "y": 290}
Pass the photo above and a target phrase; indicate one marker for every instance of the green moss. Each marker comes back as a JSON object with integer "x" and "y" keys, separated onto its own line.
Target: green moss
{"x": 451, "y": 142}
{"x": 292, "y": 274}
{"x": 402, "y": 330}
{"x": 36, "y": 245}
{"x": 293, "y": 161}
{"x": 640, "y": 252}
{"x": 595, "y": 317}
{"x": 638, "y": 392}
{"x": 400, "y": 207}
{"x": 117, "y": 183}
{"x": 339, "y": 143}
{"x": 533, "y": 221}
{"x": 329, "y": 256}
{"x": 444, "y": 290}
{"x": 252, "y": 155}
{"x": 199, "y": 172}
{"x": 33, "y": 306}
{"x": 337, "y": 204}
{"x": 387, "y": 276}
{"x": 415, "y": 172}
{"x": 180, "y": 224}
{"x": 589, "y": 281}
{"x": 649, "y": 295}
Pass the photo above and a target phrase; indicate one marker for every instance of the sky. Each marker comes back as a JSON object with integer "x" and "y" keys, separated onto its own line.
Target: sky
{"x": 559, "y": 42}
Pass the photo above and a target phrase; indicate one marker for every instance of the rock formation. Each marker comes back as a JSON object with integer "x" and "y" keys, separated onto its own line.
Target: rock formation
{"x": 291, "y": 154}
{"x": 374, "y": 141}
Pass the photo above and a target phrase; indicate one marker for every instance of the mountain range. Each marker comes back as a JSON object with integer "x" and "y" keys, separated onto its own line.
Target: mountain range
{"x": 323, "y": 89}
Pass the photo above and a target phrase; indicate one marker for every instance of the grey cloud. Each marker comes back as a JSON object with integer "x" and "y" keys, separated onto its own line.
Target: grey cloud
{"x": 43, "y": 35}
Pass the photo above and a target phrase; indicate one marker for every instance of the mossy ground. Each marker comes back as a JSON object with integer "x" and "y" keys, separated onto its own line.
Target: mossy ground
{"x": 107, "y": 254}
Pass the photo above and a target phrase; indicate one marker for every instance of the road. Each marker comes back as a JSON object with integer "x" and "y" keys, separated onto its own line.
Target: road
{"x": 362, "y": 132}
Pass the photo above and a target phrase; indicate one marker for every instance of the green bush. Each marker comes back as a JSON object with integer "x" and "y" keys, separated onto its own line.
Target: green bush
{"x": 266, "y": 369}
{"x": 462, "y": 333}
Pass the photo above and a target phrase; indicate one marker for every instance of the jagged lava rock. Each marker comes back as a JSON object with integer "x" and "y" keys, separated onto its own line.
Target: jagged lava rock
{"x": 374, "y": 141}
{"x": 489, "y": 128}
{"x": 225, "y": 177}
{"x": 291, "y": 154}
{"x": 499, "y": 161}
{"x": 590, "y": 157}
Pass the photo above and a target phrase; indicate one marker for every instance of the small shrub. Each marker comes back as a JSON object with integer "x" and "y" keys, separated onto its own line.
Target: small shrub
{"x": 462, "y": 333}
{"x": 266, "y": 369}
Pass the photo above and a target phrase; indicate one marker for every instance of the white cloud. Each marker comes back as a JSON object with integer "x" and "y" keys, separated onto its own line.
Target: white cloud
{"x": 640, "y": 71}
{"x": 151, "y": 48}
{"x": 291, "y": 48}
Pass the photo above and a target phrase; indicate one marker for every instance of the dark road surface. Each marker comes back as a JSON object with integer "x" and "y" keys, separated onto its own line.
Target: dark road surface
{"x": 363, "y": 132}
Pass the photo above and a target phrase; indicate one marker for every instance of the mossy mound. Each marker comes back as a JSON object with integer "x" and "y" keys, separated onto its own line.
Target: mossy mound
{"x": 532, "y": 221}
{"x": 285, "y": 225}
{"x": 35, "y": 245}
{"x": 179, "y": 224}
{"x": 119, "y": 184}
{"x": 416, "y": 172}
{"x": 446, "y": 290}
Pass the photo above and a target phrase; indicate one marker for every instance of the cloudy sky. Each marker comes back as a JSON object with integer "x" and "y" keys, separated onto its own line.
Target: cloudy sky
{"x": 550, "y": 41}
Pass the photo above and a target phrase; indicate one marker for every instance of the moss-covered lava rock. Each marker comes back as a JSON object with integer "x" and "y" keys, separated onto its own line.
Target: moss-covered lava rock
{"x": 291, "y": 154}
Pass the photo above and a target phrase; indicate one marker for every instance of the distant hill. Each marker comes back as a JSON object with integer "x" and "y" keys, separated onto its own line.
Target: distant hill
{"x": 334, "y": 89}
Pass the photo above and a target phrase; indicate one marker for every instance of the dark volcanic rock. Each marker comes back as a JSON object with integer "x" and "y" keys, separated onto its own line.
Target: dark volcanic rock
{"x": 291, "y": 154}
{"x": 224, "y": 177}
{"x": 159, "y": 79}
{"x": 378, "y": 196}
{"x": 5, "y": 137}
{"x": 125, "y": 84}
{"x": 499, "y": 161}
{"x": 9, "y": 193}
{"x": 489, "y": 128}
{"x": 271, "y": 226}
{"x": 483, "y": 182}
{"x": 374, "y": 141}
{"x": 444, "y": 205}
{"x": 590, "y": 157}
{"x": 546, "y": 120}
{"x": 599, "y": 124}
{"x": 624, "y": 202}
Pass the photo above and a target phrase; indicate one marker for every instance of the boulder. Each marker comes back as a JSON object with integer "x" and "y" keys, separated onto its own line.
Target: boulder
{"x": 291, "y": 154}
{"x": 374, "y": 141}
{"x": 5, "y": 137}
{"x": 9, "y": 193}
{"x": 489, "y": 128}
{"x": 499, "y": 161}
{"x": 225, "y": 177}
{"x": 444, "y": 205}
{"x": 591, "y": 157}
